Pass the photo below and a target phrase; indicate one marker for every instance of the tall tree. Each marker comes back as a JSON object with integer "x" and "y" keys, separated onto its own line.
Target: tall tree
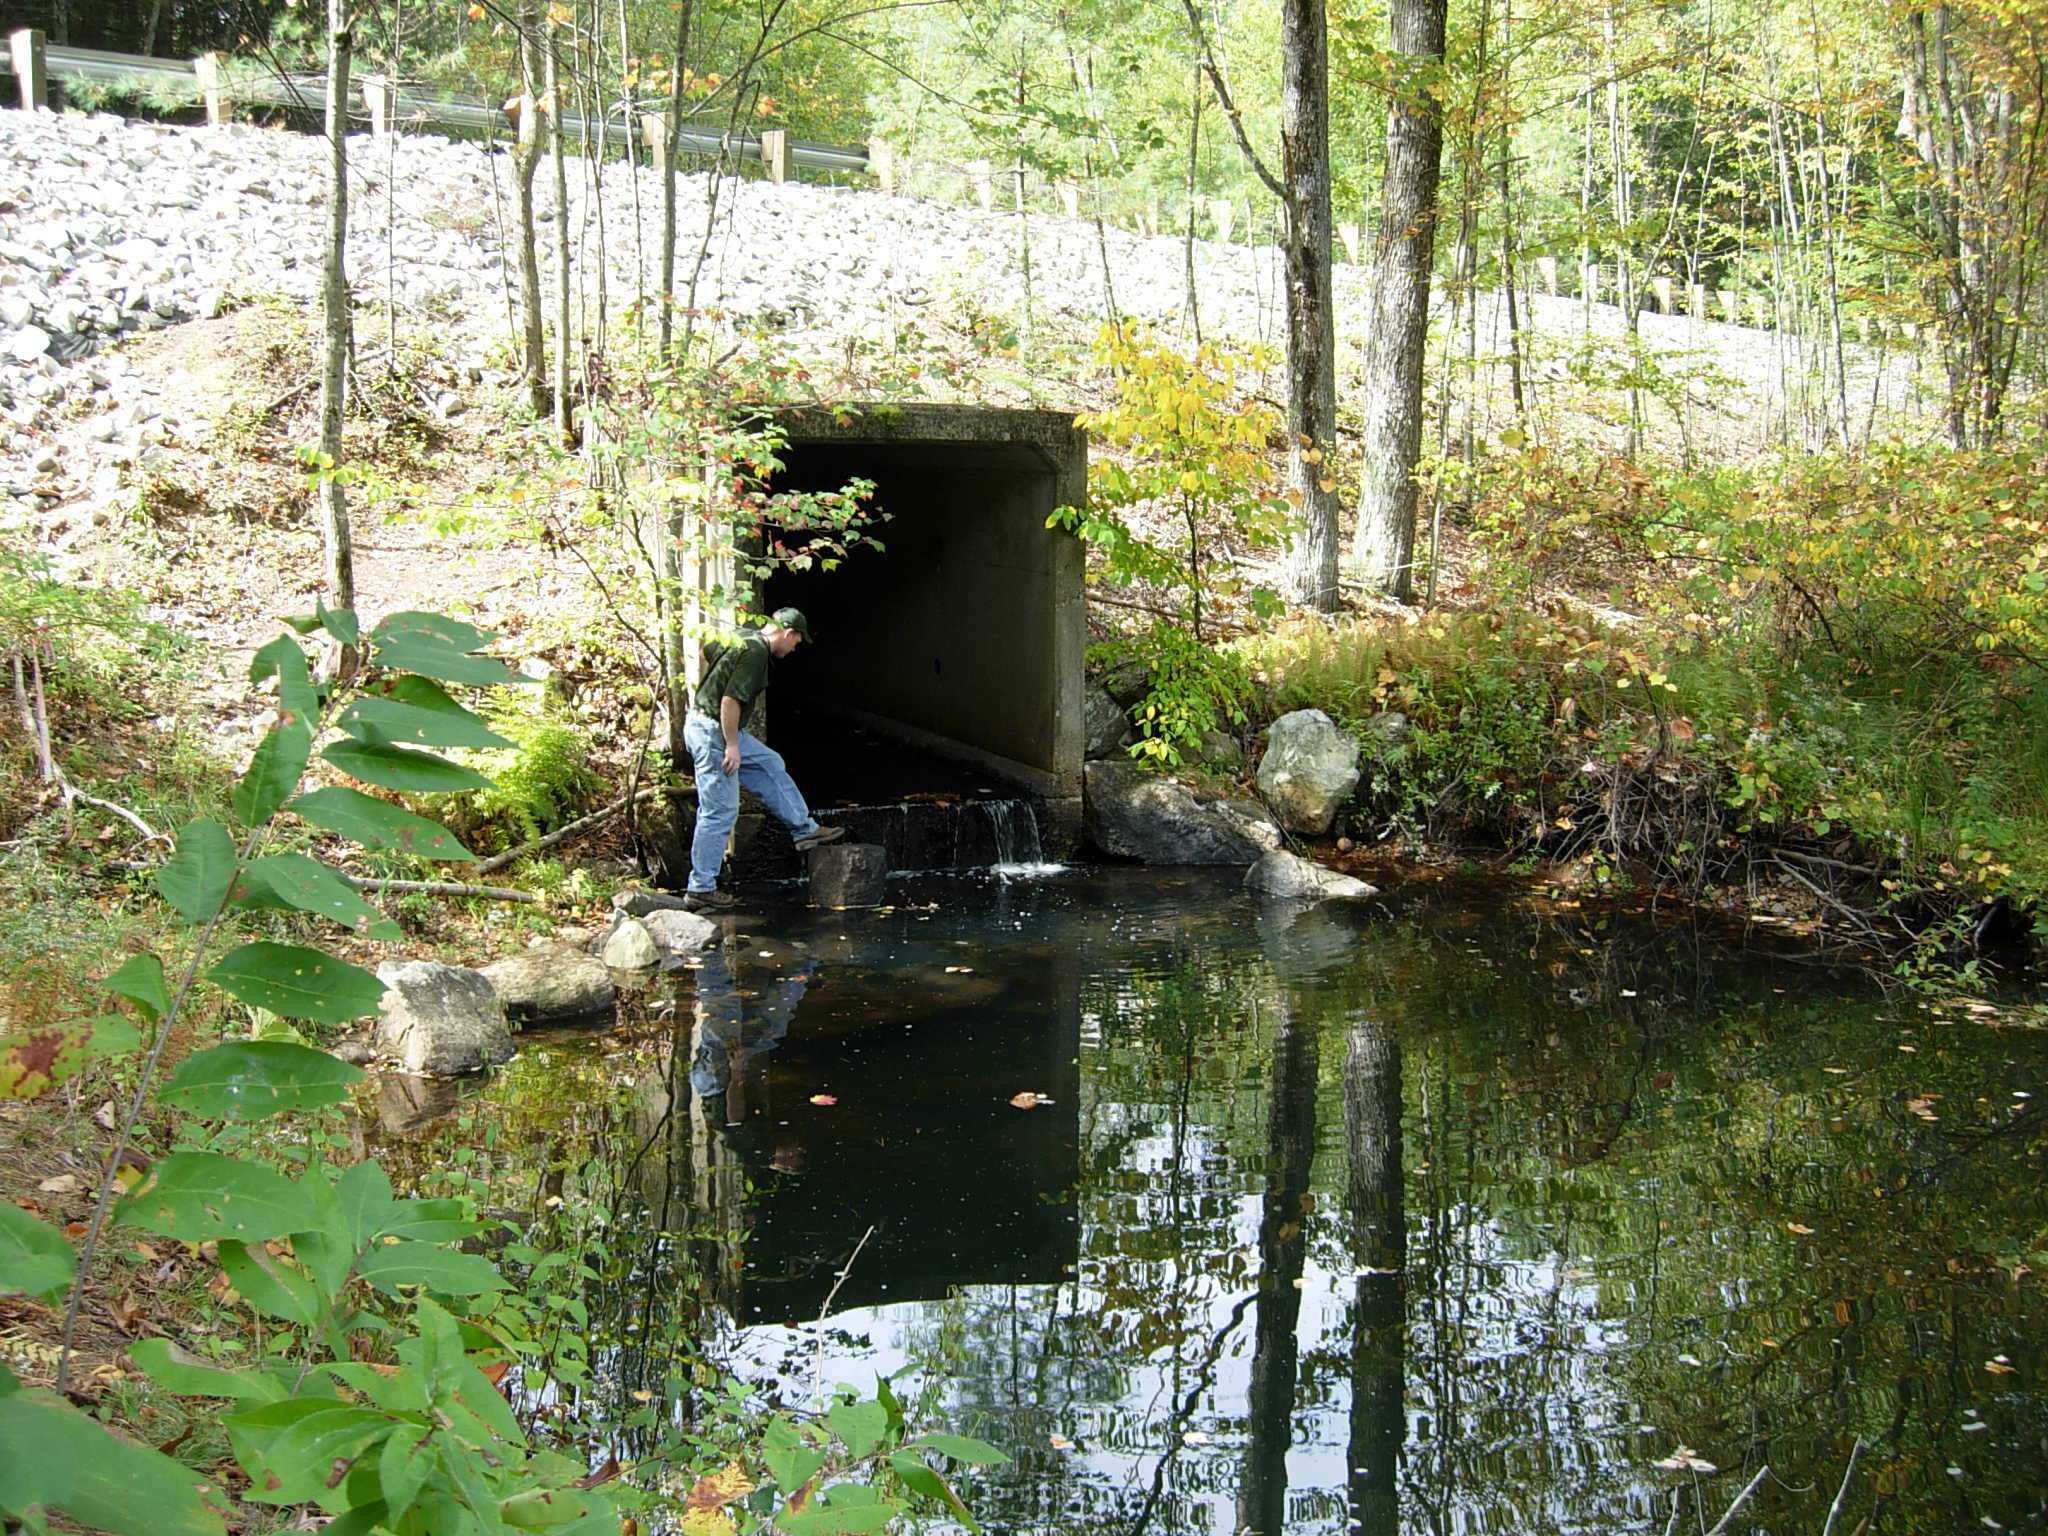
{"x": 525, "y": 162}
{"x": 1303, "y": 188}
{"x": 1383, "y": 547}
{"x": 338, "y": 577}
{"x": 671, "y": 125}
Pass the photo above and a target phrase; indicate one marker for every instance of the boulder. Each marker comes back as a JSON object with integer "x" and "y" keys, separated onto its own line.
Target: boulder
{"x": 1309, "y": 770}
{"x": 631, "y": 947}
{"x": 677, "y": 932}
{"x": 438, "y": 1020}
{"x": 406, "y": 1103}
{"x": 1385, "y": 737}
{"x": 638, "y": 903}
{"x": 552, "y": 981}
{"x": 1105, "y": 724}
{"x": 1158, "y": 820}
{"x": 1222, "y": 753}
{"x": 848, "y": 874}
{"x": 1127, "y": 682}
{"x": 1285, "y": 874}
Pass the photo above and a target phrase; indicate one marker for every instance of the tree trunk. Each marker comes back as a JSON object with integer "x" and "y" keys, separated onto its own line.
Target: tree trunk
{"x": 338, "y": 579}
{"x": 671, "y": 125}
{"x": 525, "y": 161}
{"x": 1283, "y": 1252}
{"x": 563, "y": 338}
{"x": 1379, "y": 1253}
{"x": 1311, "y": 317}
{"x": 1384, "y": 546}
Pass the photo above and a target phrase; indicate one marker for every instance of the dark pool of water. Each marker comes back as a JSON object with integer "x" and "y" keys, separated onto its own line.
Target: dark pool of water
{"x": 1430, "y": 1214}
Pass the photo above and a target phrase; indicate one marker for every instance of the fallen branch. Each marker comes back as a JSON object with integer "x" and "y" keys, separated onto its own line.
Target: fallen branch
{"x": 498, "y": 861}
{"x": 447, "y": 888}
{"x": 36, "y": 721}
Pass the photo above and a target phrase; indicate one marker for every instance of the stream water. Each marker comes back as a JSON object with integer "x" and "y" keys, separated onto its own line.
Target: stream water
{"x": 1433, "y": 1214}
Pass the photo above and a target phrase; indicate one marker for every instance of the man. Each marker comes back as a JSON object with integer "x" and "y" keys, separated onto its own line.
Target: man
{"x": 725, "y": 758}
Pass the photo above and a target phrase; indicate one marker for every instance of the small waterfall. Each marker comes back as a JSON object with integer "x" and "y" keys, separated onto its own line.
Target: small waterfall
{"x": 1015, "y": 826}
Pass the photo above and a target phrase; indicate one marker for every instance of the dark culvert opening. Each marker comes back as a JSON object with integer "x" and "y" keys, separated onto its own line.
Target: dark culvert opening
{"x": 947, "y": 665}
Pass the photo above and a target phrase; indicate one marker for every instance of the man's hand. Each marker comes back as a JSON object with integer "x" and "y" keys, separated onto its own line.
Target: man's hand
{"x": 729, "y": 727}
{"x": 730, "y": 761}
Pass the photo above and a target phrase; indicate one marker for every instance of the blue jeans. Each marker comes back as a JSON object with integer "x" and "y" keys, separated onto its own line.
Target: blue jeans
{"x": 718, "y": 794}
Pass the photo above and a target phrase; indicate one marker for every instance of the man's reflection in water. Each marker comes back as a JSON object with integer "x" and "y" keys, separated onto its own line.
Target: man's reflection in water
{"x": 736, "y": 1026}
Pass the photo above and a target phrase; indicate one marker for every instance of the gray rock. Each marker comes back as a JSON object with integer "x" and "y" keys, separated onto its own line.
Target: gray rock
{"x": 1156, "y": 819}
{"x": 1127, "y": 682}
{"x": 631, "y": 947}
{"x": 635, "y": 902}
{"x": 552, "y": 981}
{"x": 1309, "y": 770}
{"x": 1285, "y": 874}
{"x": 356, "y": 1052}
{"x": 440, "y": 1019}
{"x": 680, "y": 933}
{"x": 848, "y": 874}
{"x": 16, "y": 309}
{"x": 1106, "y": 724}
{"x": 1222, "y": 752}
{"x": 1385, "y": 737}
{"x": 29, "y": 343}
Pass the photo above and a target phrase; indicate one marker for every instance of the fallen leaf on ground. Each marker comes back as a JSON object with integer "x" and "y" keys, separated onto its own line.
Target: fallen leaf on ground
{"x": 828, "y": 1100}
{"x": 104, "y": 1115}
{"x": 61, "y": 1184}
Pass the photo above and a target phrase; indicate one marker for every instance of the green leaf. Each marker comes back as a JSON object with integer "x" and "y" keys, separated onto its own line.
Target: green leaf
{"x": 306, "y": 885}
{"x": 140, "y": 979}
{"x": 35, "y": 1260}
{"x": 298, "y": 982}
{"x": 431, "y": 658}
{"x": 177, "y": 1370}
{"x": 251, "y": 1079}
{"x": 339, "y": 622}
{"x": 112, "y": 1035}
{"x": 378, "y": 824}
{"x": 545, "y": 1509}
{"x": 53, "y": 1456}
{"x": 792, "y": 1459}
{"x": 428, "y": 1221}
{"x": 860, "y": 1426}
{"x": 837, "y": 1519}
{"x": 271, "y": 1286}
{"x": 399, "y": 768}
{"x": 920, "y": 1478}
{"x": 291, "y": 1449}
{"x": 420, "y": 714}
{"x": 444, "y": 1271}
{"x": 205, "y": 1197}
{"x": 975, "y": 1453}
{"x": 273, "y": 773}
{"x": 195, "y": 878}
{"x": 403, "y": 1467}
{"x": 298, "y": 704}
{"x": 429, "y": 629}
{"x": 360, "y": 1521}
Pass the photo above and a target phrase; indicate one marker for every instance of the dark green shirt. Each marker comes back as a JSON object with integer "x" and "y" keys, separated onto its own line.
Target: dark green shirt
{"x": 740, "y": 671}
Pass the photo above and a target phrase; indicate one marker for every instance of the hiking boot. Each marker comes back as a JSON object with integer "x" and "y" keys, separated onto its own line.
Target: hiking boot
{"x": 708, "y": 901}
{"x": 819, "y": 838}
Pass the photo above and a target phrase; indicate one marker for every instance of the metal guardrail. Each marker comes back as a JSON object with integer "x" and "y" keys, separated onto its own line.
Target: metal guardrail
{"x": 462, "y": 114}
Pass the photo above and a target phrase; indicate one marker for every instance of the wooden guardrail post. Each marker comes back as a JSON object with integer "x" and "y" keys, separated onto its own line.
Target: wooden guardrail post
{"x": 206, "y": 69}
{"x": 1731, "y": 305}
{"x": 1546, "y": 269}
{"x": 31, "y": 69}
{"x": 1661, "y": 286}
{"x": 882, "y": 164}
{"x": 1070, "y": 198}
{"x": 775, "y": 153}
{"x": 982, "y": 175}
{"x": 654, "y": 134}
{"x": 1348, "y": 233}
{"x": 380, "y": 100}
{"x": 1589, "y": 281}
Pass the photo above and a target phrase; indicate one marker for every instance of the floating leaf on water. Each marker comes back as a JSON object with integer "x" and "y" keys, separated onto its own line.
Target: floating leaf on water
{"x": 1838, "y": 1071}
{"x": 1685, "y": 1459}
{"x": 824, "y": 1098}
{"x": 1028, "y": 1100}
{"x": 1793, "y": 1226}
{"x": 1997, "y": 1366}
{"x": 1060, "y": 1442}
{"x": 1194, "y": 1437}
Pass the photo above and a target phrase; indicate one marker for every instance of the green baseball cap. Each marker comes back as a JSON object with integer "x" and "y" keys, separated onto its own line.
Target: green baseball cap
{"x": 791, "y": 618}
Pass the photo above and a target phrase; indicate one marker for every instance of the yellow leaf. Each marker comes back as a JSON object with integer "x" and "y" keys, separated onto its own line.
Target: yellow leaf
{"x": 704, "y": 1510}
{"x": 1793, "y": 1226}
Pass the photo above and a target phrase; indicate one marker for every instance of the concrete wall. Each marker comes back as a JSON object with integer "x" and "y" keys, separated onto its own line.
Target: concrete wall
{"x": 967, "y": 630}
